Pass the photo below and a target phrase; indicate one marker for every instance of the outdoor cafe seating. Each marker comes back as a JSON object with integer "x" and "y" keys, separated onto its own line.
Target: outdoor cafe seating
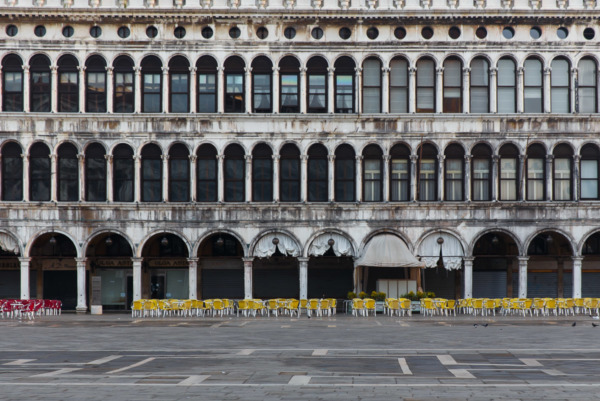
{"x": 30, "y": 308}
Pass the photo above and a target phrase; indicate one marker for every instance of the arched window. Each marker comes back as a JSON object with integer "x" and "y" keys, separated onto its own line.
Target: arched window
{"x": 95, "y": 173}
{"x": 40, "y": 84}
{"x": 262, "y": 93}
{"x": 289, "y": 87}
{"x": 400, "y": 173}
{"x": 235, "y": 173}
{"x": 68, "y": 173}
{"x": 344, "y": 85}
{"x": 563, "y": 161}
{"x": 427, "y": 173}
{"x": 587, "y": 83}
{"x": 206, "y": 164}
{"x": 68, "y": 84}
{"x": 234, "y": 85}
{"x": 425, "y": 86}
{"x": 452, "y": 85}
{"x": 262, "y": 174}
{"x": 507, "y": 86}
{"x": 12, "y": 172}
{"x": 179, "y": 85}
{"x": 480, "y": 86}
{"x": 371, "y": 85}
{"x": 533, "y": 86}
{"x": 179, "y": 173}
{"x": 318, "y": 173}
{"x": 560, "y": 80}
{"x": 509, "y": 169}
{"x": 12, "y": 83}
{"x": 372, "y": 174}
{"x": 123, "y": 173}
{"x": 289, "y": 173}
{"x": 151, "y": 174}
{"x": 536, "y": 177}
{"x": 345, "y": 174}
{"x": 399, "y": 85}
{"x": 39, "y": 173}
{"x": 151, "y": 85}
{"x": 95, "y": 89}
{"x": 453, "y": 170}
{"x": 207, "y": 84}
{"x": 124, "y": 87}
{"x": 316, "y": 74}
{"x": 481, "y": 183}
{"x": 590, "y": 172}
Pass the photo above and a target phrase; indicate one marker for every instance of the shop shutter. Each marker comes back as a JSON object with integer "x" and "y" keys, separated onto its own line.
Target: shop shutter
{"x": 590, "y": 285}
{"x": 223, "y": 283}
{"x": 542, "y": 285}
{"x": 489, "y": 284}
{"x": 276, "y": 283}
{"x": 329, "y": 283}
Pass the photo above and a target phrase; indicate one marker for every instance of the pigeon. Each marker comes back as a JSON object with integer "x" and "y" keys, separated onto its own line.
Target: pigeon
{"x": 574, "y": 324}
{"x": 475, "y": 325}
{"x": 595, "y": 325}
{"x": 485, "y": 325}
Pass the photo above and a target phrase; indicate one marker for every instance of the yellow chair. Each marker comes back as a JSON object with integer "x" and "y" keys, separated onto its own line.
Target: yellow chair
{"x": 258, "y": 306}
{"x": 386, "y": 303}
{"x": 332, "y": 305}
{"x": 477, "y": 306}
{"x": 489, "y": 305}
{"x": 312, "y": 306}
{"x": 449, "y": 307}
{"x": 137, "y": 308}
{"x": 185, "y": 307}
{"x": 292, "y": 307}
{"x": 551, "y": 306}
{"x": 392, "y": 307}
{"x": 164, "y": 307}
{"x": 369, "y": 306}
{"x": 538, "y": 306}
{"x": 324, "y": 307}
{"x": 273, "y": 307}
{"x": 428, "y": 307}
{"x": 357, "y": 307}
{"x": 405, "y": 305}
{"x": 245, "y": 306}
{"x": 303, "y": 306}
{"x": 151, "y": 307}
{"x": 218, "y": 307}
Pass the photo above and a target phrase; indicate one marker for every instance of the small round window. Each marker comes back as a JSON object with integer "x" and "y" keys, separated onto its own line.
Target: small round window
{"x": 235, "y": 32}
{"x": 345, "y": 33}
{"x": 289, "y": 32}
{"x": 372, "y": 33}
{"x": 481, "y": 32}
{"x": 12, "y": 30}
{"x": 316, "y": 33}
{"x": 562, "y": 32}
{"x": 123, "y": 32}
{"x": 535, "y": 33}
{"x": 95, "y": 31}
{"x": 152, "y": 32}
{"x": 179, "y": 32}
{"x": 427, "y": 32}
{"x": 589, "y": 33}
{"x": 454, "y": 32}
{"x": 262, "y": 32}
{"x": 207, "y": 32}
{"x": 68, "y": 31}
{"x": 39, "y": 31}
{"x": 400, "y": 33}
{"x": 508, "y": 33}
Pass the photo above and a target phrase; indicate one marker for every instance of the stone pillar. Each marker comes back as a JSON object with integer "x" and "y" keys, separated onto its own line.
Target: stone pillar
{"x": 137, "y": 278}
{"x": 193, "y": 159}
{"x": 330, "y": 90}
{"x": 468, "y": 261}
{"x": 358, "y": 107}
{"x": 414, "y": 191}
{"x": 220, "y": 90}
{"x": 165, "y": 90}
{"x": 25, "y": 158}
{"x": 26, "y": 85}
{"x": 275, "y": 178}
{"x": 303, "y": 178}
{"x": 248, "y": 277}
{"x": 577, "y": 261}
{"x": 81, "y": 159}
{"x": 412, "y": 90}
{"x": 193, "y": 89}
{"x": 193, "y": 278}
{"x": 1, "y": 88}
{"x": 165, "y": 177}
{"x": 576, "y": 174}
{"x": 386, "y": 178}
{"x": 467, "y": 178}
{"x": 81, "y": 288}
{"x": 220, "y": 178}
{"x": 275, "y": 90}
{"x": 109, "y": 89}
{"x": 331, "y": 170}
{"x": 109, "y": 178}
{"x": 573, "y": 92}
{"x": 358, "y": 176}
{"x": 520, "y": 90}
{"x": 137, "y": 161}
{"x": 82, "y": 85}
{"x": 493, "y": 90}
{"x": 248, "y": 177}
{"x": 248, "y": 90}
{"x": 466, "y": 90}
{"x": 54, "y": 177}
{"x": 523, "y": 276}
{"x": 439, "y": 90}
{"x": 494, "y": 177}
{"x": 24, "y": 277}
{"x": 137, "y": 89}
{"x": 54, "y": 88}
{"x": 385, "y": 90}
{"x": 302, "y": 92}
{"x": 303, "y": 274}
{"x": 440, "y": 178}
{"x": 549, "y": 177}
{"x": 546, "y": 96}
{"x": 522, "y": 178}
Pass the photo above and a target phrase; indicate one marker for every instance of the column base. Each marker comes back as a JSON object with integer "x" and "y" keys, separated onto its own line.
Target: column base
{"x": 81, "y": 309}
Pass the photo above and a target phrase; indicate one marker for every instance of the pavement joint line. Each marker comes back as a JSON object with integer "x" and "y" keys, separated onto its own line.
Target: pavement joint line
{"x": 319, "y": 352}
{"x": 246, "y": 352}
{"x": 404, "y": 366}
{"x": 56, "y": 372}
{"x": 530, "y": 362}
{"x": 19, "y": 362}
{"x": 429, "y": 351}
{"x": 135, "y": 365}
{"x": 553, "y": 372}
{"x": 299, "y": 380}
{"x": 461, "y": 373}
{"x": 193, "y": 380}
{"x": 323, "y": 385}
{"x": 104, "y": 360}
{"x": 378, "y": 323}
{"x": 446, "y": 360}
{"x": 286, "y": 326}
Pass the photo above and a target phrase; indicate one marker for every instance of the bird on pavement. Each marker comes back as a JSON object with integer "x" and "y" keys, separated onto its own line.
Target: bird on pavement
{"x": 574, "y": 324}
{"x": 595, "y": 325}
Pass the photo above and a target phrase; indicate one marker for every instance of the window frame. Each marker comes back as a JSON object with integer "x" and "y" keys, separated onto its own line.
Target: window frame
{"x": 476, "y": 86}
{"x": 125, "y": 154}
{"x": 316, "y": 153}
{"x": 432, "y": 87}
{"x": 289, "y": 154}
{"x": 178, "y": 152}
{"x": 207, "y": 153}
{"x": 102, "y": 182}
{"x": 446, "y": 106}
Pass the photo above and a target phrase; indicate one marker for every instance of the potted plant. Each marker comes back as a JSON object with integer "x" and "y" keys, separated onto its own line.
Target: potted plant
{"x": 416, "y": 298}
{"x": 379, "y": 298}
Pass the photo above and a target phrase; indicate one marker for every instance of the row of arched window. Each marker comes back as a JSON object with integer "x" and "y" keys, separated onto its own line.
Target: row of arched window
{"x": 343, "y": 176}
{"x": 449, "y": 88}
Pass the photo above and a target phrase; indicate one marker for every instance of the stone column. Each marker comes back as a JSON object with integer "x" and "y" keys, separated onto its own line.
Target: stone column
{"x": 137, "y": 173}
{"x": 137, "y": 89}
{"x": 414, "y": 191}
{"x": 1, "y": 88}
{"x": 468, "y": 261}
{"x": 220, "y": 178}
{"x": 440, "y": 178}
{"x": 386, "y": 178}
{"x": 303, "y": 178}
{"x": 220, "y": 90}
{"x": 520, "y": 90}
{"x": 573, "y": 92}
{"x": 577, "y": 261}
{"x": 493, "y": 90}
{"x": 109, "y": 178}
{"x": 549, "y": 178}
{"x": 546, "y": 96}
{"x": 523, "y": 276}
{"x": 494, "y": 177}
{"x": 109, "y": 89}
{"x": 275, "y": 178}
{"x": 193, "y": 89}
{"x": 302, "y": 91}
{"x": 303, "y": 274}
{"x": 248, "y": 177}
{"x": 248, "y": 90}
{"x": 81, "y": 289}
{"x": 466, "y": 90}
{"x": 331, "y": 170}
{"x": 467, "y": 178}
{"x": 385, "y": 90}
{"x": 358, "y": 106}
{"x": 412, "y": 90}
{"x": 24, "y": 277}
{"x": 54, "y": 88}
{"x": 522, "y": 178}
{"x": 165, "y": 90}
{"x": 193, "y": 159}
{"x": 54, "y": 177}
{"x": 576, "y": 174}
{"x": 81, "y": 159}
{"x": 275, "y": 90}
{"x": 82, "y": 85}
{"x": 439, "y": 90}
{"x": 137, "y": 278}
{"x": 26, "y": 85}
{"x": 193, "y": 278}
{"x": 248, "y": 277}
{"x": 165, "y": 177}
{"x": 25, "y": 158}
{"x": 358, "y": 176}
{"x": 330, "y": 90}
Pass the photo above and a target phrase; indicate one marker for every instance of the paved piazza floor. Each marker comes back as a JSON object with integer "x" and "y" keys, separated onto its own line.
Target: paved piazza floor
{"x": 115, "y": 357}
